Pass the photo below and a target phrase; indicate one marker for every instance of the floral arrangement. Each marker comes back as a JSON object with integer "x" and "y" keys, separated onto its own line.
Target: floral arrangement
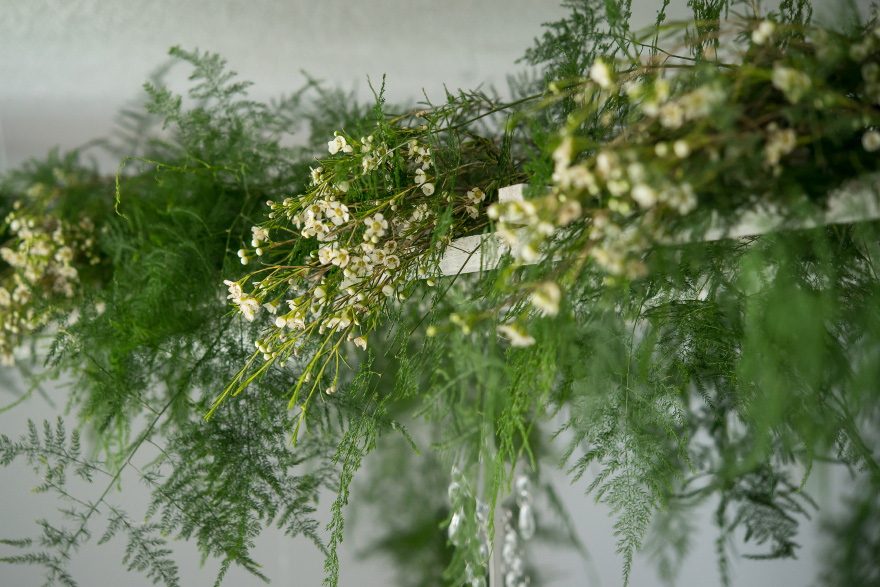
{"x": 43, "y": 253}
{"x": 684, "y": 366}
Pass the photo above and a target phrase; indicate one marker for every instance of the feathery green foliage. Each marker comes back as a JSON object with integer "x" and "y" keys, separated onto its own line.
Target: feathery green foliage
{"x": 689, "y": 364}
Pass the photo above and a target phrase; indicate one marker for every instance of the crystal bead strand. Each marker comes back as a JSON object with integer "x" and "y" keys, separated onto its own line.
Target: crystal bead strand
{"x": 513, "y": 565}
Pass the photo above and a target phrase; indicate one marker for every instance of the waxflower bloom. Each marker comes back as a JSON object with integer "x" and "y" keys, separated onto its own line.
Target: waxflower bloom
{"x": 779, "y": 142}
{"x": 763, "y": 32}
{"x": 791, "y": 82}
{"x": 340, "y": 258}
{"x": 316, "y": 175}
{"x": 871, "y": 141}
{"x": 569, "y": 212}
{"x": 644, "y": 195}
{"x": 476, "y": 195}
{"x": 339, "y": 144}
{"x": 546, "y": 298}
{"x": 376, "y": 227}
{"x": 338, "y": 213}
{"x": 601, "y": 74}
{"x": 260, "y": 234}
{"x": 517, "y": 336}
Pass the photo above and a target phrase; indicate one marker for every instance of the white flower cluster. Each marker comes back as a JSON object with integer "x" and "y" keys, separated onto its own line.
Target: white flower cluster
{"x": 248, "y": 305}
{"x": 364, "y": 257}
{"x": 42, "y": 254}
{"x": 791, "y": 82}
{"x": 654, "y": 100}
{"x": 780, "y": 142}
{"x": 620, "y": 180}
{"x": 373, "y": 155}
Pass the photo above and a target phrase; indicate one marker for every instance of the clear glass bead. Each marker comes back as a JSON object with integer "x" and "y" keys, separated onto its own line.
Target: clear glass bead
{"x": 508, "y": 553}
{"x": 454, "y": 492}
{"x": 454, "y": 526}
{"x": 511, "y": 579}
{"x": 523, "y": 486}
{"x": 517, "y": 565}
{"x": 483, "y": 512}
{"x": 526, "y": 522}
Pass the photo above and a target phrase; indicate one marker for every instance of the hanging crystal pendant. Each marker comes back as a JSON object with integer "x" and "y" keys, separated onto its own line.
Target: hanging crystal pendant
{"x": 523, "y": 489}
{"x": 454, "y": 526}
{"x": 526, "y": 523}
{"x": 454, "y": 492}
{"x": 508, "y": 552}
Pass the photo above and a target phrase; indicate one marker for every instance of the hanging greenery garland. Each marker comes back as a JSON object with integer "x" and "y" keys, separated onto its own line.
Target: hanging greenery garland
{"x": 689, "y": 284}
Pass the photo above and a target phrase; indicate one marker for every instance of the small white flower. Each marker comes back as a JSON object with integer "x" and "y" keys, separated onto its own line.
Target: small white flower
{"x": 763, "y": 32}
{"x": 378, "y": 256}
{"x": 517, "y": 336}
{"x": 871, "y": 141}
{"x": 388, "y": 290}
{"x": 476, "y": 195}
{"x": 234, "y": 290}
{"x": 260, "y": 234}
{"x": 528, "y": 253}
{"x": 376, "y": 226}
{"x": 569, "y": 212}
{"x": 791, "y": 82}
{"x": 280, "y": 322}
{"x": 322, "y": 231}
{"x": 341, "y": 258}
{"x": 361, "y": 342}
{"x": 672, "y": 115}
{"x": 779, "y": 142}
{"x": 546, "y": 298}
{"x": 644, "y": 195}
{"x": 601, "y": 73}
{"x": 338, "y": 144}
{"x": 420, "y": 177}
{"x": 473, "y": 212}
{"x": 681, "y": 148}
{"x": 428, "y": 189}
{"x": 359, "y": 266}
{"x": 338, "y": 213}
{"x": 606, "y": 163}
{"x": 392, "y": 262}
{"x": 561, "y": 155}
{"x": 509, "y": 237}
{"x": 343, "y": 186}
{"x": 325, "y": 255}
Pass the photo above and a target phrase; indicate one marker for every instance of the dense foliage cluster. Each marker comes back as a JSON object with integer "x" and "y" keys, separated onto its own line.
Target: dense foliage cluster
{"x": 677, "y": 285}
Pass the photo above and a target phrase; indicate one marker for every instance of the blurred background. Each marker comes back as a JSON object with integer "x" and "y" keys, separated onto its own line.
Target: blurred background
{"x": 68, "y": 66}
